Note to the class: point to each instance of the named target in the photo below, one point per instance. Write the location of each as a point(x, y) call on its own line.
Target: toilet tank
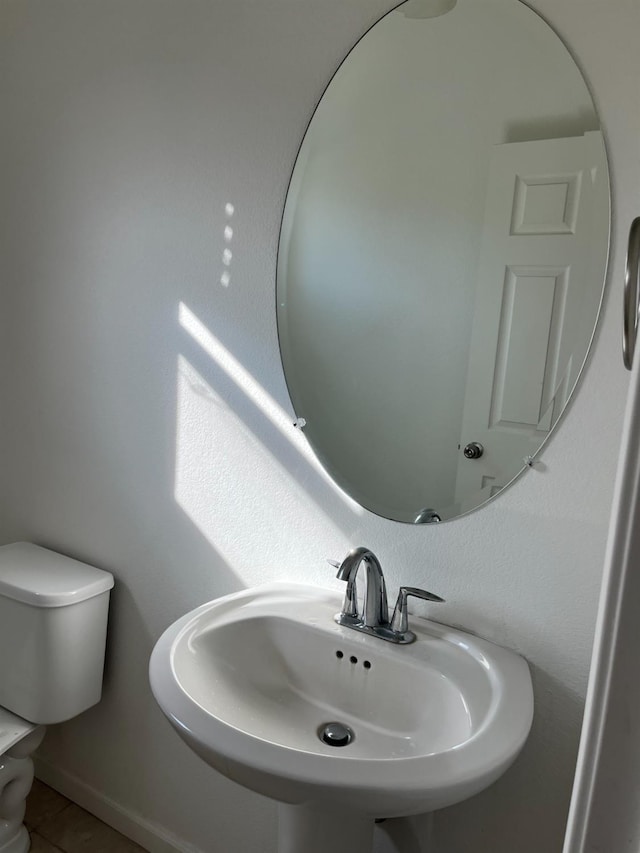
point(53, 626)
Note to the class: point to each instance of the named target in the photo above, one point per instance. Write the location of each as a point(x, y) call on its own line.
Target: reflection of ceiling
point(427, 8)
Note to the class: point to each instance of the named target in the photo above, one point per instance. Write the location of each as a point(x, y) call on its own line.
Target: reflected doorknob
point(473, 450)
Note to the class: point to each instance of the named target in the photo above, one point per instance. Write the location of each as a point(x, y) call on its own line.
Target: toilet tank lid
point(44, 578)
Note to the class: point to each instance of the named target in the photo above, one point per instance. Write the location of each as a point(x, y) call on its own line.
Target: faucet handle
point(335, 563)
point(400, 620)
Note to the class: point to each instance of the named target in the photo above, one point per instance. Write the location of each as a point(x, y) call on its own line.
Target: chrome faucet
point(373, 617)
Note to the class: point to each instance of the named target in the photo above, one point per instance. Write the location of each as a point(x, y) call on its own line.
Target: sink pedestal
point(314, 829)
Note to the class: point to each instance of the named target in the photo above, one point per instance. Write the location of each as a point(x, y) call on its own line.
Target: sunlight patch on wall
point(256, 393)
point(227, 254)
point(231, 485)
point(235, 492)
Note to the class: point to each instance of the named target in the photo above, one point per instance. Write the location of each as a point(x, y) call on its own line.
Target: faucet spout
point(375, 612)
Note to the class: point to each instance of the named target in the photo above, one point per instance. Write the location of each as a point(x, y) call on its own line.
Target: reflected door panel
point(544, 200)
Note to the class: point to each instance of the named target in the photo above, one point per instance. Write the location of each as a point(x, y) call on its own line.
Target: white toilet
point(53, 625)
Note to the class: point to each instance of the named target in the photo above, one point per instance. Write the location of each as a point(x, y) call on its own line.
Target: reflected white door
point(543, 198)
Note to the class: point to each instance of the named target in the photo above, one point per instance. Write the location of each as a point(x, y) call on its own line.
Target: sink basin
point(250, 680)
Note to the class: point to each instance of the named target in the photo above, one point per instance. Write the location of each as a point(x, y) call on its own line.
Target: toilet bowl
point(53, 623)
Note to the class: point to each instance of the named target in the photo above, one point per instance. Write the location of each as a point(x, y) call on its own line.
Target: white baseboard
point(147, 834)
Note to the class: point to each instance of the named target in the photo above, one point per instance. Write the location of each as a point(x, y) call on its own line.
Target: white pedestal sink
point(249, 681)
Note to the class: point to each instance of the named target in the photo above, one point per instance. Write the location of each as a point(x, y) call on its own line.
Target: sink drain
point(335, 734)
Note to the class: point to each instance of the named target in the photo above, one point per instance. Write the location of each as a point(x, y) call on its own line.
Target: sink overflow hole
point(335, 734)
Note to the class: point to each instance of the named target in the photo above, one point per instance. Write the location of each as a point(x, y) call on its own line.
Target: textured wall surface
point(145, 421)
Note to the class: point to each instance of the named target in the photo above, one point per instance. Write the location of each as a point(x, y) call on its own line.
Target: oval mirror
point(442, 255)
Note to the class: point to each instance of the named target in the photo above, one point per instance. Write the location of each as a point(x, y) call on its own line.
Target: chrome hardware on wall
point(427, 516)
point(631, 295)
point(473, 450)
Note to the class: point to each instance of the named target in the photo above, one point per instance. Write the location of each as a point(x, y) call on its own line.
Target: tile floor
point(59, 826)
